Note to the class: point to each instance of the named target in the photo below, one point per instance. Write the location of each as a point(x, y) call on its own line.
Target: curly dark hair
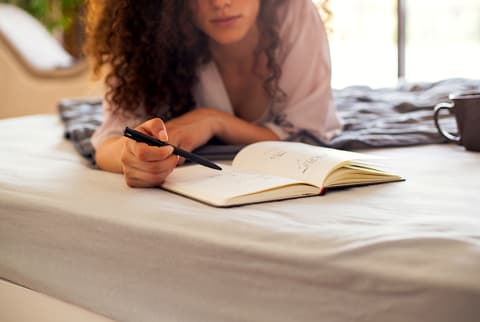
point(151, 50)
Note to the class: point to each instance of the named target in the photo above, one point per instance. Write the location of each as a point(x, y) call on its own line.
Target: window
point(442, 40)
point(363, 42)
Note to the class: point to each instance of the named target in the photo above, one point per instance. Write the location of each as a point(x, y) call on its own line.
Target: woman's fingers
point(142, 179)
point(144, 165)
point(154, 127)
point(147, 166)
point(147, 158)
point(146, 153)
point(148, 174)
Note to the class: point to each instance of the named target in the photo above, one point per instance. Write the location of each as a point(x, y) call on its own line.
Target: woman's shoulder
point(292, 12)
point(298, 21)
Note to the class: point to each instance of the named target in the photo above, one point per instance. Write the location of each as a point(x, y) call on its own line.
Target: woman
point(186, 71)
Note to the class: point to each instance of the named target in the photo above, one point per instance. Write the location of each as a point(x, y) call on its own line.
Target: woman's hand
point(198, 126)
point(144, 165)
point(193, 129)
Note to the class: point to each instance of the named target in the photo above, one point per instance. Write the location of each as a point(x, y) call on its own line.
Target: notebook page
point(294, 160)
point(217, 187)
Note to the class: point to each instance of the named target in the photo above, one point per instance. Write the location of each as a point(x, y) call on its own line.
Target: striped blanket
point(381, 117)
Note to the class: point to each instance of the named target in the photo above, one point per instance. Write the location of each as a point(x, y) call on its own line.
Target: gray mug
point(466, 107)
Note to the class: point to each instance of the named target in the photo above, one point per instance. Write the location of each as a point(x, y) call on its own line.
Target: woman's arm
point(147, 166)
point(108, 154)
point(197, 127)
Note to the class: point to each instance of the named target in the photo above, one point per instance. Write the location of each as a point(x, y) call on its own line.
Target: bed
point(407, 251)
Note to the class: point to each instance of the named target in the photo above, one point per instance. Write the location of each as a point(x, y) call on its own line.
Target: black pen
point(140, 137)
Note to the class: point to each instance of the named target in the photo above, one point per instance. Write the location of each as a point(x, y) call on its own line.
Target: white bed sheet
point(407, 251)
point(19, 304)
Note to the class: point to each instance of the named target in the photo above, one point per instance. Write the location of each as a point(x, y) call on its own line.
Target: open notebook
point(276, 170)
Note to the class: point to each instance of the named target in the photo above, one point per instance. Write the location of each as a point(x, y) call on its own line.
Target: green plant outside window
point(54, 14)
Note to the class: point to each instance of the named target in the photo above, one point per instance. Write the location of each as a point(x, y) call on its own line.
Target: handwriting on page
point(226, 182)
point(305, 165)
point(302, 164)
point(275, 154)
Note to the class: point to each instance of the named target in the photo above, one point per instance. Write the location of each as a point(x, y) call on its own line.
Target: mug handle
point(447, 135)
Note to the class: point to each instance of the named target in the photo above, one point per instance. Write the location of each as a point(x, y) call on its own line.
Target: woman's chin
point(226, 39)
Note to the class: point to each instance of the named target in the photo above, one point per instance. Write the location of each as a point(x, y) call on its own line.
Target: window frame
point(401, 37)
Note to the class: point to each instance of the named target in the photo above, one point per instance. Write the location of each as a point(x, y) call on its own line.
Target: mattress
point(407, 251)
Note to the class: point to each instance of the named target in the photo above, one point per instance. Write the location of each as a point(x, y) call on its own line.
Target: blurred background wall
point(41, 59)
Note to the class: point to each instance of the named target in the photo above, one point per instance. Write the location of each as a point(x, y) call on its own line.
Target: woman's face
point(225, 21)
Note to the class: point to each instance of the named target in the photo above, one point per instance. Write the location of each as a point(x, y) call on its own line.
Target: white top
point(306, 74)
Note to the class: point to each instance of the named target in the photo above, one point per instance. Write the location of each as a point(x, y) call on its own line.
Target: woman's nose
point(220, 4)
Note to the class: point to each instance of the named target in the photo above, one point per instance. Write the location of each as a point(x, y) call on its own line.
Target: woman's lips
point(225, 21)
